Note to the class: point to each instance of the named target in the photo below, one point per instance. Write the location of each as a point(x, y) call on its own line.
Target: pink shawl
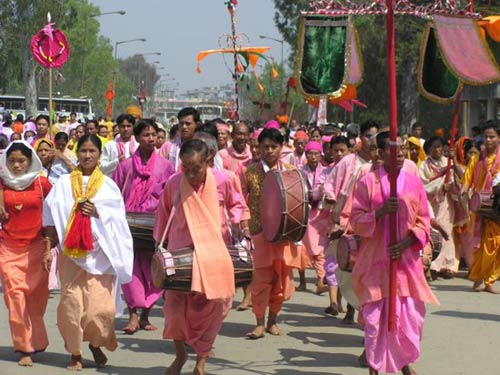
point(120, 145)
point(143, 183)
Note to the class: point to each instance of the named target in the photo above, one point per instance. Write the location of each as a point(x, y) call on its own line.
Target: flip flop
point(243, 307)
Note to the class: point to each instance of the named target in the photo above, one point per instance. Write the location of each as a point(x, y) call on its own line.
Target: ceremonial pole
point(231, 6)
point(393, 173)
point(50, 90)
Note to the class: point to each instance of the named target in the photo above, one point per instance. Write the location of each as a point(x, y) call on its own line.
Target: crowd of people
point(65, 195)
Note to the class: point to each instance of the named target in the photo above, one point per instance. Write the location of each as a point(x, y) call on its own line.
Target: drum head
point(284, 206)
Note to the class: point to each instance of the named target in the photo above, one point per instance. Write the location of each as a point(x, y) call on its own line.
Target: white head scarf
point(20, 183)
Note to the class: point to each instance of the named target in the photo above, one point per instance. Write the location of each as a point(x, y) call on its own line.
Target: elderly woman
point(55, 162)
point(85, 213)
point(24, 258)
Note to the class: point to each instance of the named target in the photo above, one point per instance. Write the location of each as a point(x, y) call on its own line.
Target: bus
point(63, 106)
point(211, 111)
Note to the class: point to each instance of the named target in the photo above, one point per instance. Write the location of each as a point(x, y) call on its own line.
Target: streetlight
point(114, 70)
point(148, 54)
point(282, 54)
point(82, 75)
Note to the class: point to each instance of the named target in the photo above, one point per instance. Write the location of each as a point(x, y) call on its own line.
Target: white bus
point(63, 105)
point(211, 111)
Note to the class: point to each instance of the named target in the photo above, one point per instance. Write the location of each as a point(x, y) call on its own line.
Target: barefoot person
point(141, 180)
point(25, 260)
point(190, 202)
point(391, 352)
point(272, 282)
point(479, 177)
point(86, 214)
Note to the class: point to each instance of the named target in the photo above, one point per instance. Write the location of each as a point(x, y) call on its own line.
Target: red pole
point(454, 129)
point(393, 124)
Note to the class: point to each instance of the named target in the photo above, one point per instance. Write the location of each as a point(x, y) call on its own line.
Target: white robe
point(113, 251)
point(109, 158)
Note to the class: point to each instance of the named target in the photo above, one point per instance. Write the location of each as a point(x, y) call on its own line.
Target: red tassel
point(80, 233)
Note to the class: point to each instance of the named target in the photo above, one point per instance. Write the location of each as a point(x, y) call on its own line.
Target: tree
point(138, 70)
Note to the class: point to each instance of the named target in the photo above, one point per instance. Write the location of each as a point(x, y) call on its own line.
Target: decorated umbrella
point(50, 49)
point(453, 54)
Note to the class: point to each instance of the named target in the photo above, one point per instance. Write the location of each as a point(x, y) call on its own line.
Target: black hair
point(367, 125)
point(491, 124)
point(42, 117)
point(273, 135)
point(72, 113)
point(143, 124)
point(417, 124)
point(189, 111)
point(241, 123)
point(194, 146)
point(90, 138)
point(18, 146)
point(92, 122)
point(20, 117)
point(4, 141)
point(329, 129)
point(102, 126)
point(173, 131)
point(315, 129)
point(431, 140)
point(209, 127)
point(340, 140)
point(129, 118)
point(80, 126)
point(476, 129)
point(161, 130)
point(469, 143)
point(382, 139)
point(61, 136)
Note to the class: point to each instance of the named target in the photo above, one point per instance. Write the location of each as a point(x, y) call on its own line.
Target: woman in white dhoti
point(86, 213)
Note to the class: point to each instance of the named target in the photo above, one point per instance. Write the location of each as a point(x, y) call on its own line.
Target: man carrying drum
point(273, 262)
point(189, 212)
point(141, 179)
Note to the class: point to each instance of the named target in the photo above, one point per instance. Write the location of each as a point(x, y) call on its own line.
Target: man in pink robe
point(239, 151)
point(391, 352)
point(191, 319)
point(141, 179)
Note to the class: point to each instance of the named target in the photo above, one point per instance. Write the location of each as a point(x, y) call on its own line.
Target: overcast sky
point(179, 29)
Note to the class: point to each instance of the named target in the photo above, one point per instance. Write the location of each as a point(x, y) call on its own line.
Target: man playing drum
point(141, 179)
point(273, 262)
point(190, 203)
point(393, 351)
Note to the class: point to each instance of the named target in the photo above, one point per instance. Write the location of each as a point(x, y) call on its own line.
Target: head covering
point(223, 127)
point(20, 183)
point(421, 153)
point(301, 136)
point(313, 146)
point(326, 139)
point(256, 133)
point(273, 124)
point(43, 140)
point(134, 111)
point(459, 149)
point(29, 126)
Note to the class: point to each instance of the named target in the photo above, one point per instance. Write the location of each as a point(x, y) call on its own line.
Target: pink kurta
point(390, 351)
point(232, 160)
point(191, 317)
point(140, 292)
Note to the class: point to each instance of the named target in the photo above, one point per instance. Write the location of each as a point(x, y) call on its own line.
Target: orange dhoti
point(26, 293)
point(272, 282)
point(86, 311)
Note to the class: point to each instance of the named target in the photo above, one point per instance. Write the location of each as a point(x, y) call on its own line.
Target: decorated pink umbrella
point(50, 49)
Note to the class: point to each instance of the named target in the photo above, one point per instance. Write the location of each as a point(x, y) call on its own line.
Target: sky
point(180, 29)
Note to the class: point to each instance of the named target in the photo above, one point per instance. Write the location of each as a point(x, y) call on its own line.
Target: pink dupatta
point(143, 184)
point(120, 145)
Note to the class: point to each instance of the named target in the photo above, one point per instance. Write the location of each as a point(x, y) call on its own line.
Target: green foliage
point(76, 18)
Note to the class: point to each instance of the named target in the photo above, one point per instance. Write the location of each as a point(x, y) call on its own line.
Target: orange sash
point(213, 272)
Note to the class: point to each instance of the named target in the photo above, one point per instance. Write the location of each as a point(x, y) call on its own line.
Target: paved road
point(462, 337)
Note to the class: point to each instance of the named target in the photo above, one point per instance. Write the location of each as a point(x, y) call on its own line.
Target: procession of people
point(206, 191)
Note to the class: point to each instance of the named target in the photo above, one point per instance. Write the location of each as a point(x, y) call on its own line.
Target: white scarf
point(20, 183)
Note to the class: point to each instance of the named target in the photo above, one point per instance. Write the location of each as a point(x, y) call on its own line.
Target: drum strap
point(169, 222)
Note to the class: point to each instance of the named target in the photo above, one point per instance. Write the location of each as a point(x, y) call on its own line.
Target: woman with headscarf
point(416, 151)
point(55, 163)
point(85, 213)
point(25, 257)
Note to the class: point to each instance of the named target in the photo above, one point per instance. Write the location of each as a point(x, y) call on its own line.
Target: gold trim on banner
point(420, 72)
point(455, 73)
point(350, 33)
